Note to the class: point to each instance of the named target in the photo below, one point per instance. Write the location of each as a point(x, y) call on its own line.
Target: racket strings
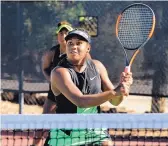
point(135, 26)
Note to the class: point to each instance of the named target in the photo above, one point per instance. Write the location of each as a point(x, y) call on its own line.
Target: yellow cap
point(68, 27)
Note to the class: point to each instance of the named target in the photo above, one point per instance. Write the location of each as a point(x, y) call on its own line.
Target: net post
point(20, 47)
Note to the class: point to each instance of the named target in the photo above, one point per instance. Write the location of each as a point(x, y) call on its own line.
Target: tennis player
point(76, 83)
point(50, 60)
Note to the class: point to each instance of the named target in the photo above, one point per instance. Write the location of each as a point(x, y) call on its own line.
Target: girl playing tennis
point(77, 83)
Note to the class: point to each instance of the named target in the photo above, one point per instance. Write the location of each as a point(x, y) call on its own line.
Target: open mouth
point(73, 52)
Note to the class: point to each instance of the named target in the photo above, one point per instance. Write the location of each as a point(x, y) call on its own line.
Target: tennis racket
point(135, 26)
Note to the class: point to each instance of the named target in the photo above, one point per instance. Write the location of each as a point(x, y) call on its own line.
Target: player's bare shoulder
point(49, 53)
point(99, 65)
point(58, 70)
point(96, 62)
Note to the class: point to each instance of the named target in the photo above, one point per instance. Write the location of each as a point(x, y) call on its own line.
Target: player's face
point(61, 36)
point(77, 49)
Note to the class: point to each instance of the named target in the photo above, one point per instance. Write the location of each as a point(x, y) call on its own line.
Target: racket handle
point(127, 69)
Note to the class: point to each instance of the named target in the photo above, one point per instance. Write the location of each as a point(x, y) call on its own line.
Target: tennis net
point(89, 129)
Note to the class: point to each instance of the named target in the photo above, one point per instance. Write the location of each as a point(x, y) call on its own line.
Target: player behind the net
point(77, 83)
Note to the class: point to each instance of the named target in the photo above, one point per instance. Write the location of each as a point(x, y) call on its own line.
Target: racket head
point(135, 26)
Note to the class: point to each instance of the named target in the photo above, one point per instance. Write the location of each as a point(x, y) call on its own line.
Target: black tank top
point(88, 82)
point(57, 56)
point(56, 59)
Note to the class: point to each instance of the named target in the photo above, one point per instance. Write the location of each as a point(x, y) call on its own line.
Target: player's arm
point(107, 84)
point(61, 82)
point(47, 59)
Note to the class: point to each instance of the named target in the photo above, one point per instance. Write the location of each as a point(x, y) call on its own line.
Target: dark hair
point(63, 23)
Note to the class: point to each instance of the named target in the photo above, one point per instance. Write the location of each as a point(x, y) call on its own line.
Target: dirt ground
point(13, 108)
point(131, 104)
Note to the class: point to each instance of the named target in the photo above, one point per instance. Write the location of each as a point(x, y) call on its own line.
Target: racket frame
point(129, 63)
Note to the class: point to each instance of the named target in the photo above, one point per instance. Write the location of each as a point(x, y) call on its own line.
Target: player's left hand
point(126, 77)
point(126, 81)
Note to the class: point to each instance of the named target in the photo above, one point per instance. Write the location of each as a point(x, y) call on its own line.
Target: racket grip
point(127, 69)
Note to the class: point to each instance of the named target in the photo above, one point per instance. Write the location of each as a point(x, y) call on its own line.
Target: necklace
point(70, 63)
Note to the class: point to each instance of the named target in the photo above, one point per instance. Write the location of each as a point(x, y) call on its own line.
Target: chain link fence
point(28, 28)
